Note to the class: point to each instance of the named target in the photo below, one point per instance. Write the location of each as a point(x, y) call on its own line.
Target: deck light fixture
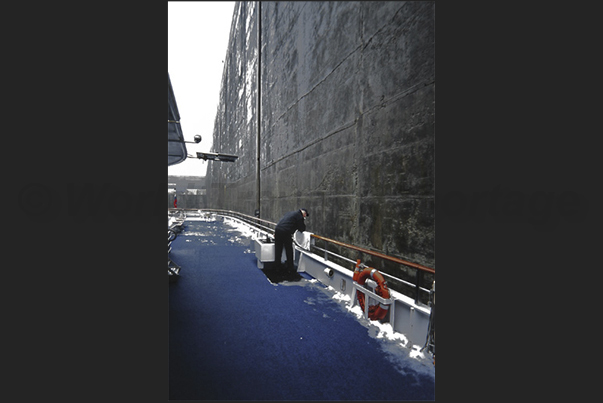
point(217, 156)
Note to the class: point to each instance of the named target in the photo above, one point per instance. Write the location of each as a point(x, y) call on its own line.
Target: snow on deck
point(234, 335)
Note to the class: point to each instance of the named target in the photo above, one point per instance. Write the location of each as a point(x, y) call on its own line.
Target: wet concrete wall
point(346, 120)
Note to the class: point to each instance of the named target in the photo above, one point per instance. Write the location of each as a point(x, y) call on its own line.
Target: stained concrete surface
point(347, 121)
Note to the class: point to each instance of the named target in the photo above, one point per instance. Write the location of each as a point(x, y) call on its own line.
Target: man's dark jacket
point(293, 220)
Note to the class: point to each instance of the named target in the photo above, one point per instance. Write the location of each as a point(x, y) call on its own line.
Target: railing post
point(419, 278)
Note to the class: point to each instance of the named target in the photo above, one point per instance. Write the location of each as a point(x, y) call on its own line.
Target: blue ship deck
point(235, 335)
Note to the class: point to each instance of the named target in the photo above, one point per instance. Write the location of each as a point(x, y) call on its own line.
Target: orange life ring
point(376, 312)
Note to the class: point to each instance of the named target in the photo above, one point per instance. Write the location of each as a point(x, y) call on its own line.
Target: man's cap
point(307, 212)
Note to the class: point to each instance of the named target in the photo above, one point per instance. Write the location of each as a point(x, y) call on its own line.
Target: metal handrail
point(420, 268)
point(345, 245)
point(250, 219)
point(256, 221)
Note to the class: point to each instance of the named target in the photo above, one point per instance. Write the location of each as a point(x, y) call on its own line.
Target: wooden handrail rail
point(377, 254)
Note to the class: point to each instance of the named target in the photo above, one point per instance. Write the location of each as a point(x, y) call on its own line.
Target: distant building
point(190, 190)
point(187, 184)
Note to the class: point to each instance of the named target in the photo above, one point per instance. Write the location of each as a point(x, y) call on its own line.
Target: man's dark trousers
point(283, 238)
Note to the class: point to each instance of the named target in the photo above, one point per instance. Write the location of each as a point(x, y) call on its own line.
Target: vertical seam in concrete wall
point(259, 105)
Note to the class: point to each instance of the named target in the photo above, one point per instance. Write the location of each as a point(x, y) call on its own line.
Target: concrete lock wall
point(347, 103)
